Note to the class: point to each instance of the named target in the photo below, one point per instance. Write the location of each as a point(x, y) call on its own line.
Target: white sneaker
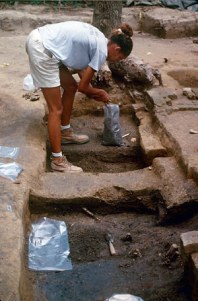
point(69, 136)
point(61, 164)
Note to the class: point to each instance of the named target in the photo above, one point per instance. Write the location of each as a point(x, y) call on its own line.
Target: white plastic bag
point(9, 152)
point(10, 170)
point(28, 84)
point(124, 297)
point(49, 246)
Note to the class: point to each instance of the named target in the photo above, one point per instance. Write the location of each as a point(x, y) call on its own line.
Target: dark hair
point(122, 36)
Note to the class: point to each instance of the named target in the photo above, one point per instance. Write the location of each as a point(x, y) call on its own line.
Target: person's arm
point(85, 86)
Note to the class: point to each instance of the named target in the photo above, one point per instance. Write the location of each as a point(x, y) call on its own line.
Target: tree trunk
point(107, 15)
point(134, 70)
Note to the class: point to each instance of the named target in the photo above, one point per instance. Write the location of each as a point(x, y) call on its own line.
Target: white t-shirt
point(75, 44)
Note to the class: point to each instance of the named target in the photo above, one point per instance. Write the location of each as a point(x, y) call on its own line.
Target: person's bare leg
point(54, 103)
point(69, 86)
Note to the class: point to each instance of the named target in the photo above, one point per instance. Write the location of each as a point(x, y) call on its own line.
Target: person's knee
point(68, 83)
point(56, 111)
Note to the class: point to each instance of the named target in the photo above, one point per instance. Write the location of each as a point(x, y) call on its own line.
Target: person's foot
point(69, 136)
point(61, 164)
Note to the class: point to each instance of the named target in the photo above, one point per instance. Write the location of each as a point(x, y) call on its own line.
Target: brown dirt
point(141, 266)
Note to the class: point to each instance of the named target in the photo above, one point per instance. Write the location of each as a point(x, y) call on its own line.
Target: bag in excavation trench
point(112, 130)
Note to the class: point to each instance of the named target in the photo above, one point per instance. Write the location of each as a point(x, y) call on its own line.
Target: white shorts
point(44, 67)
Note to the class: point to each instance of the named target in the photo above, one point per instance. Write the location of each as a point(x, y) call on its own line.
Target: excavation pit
point(98, 158)
point(123, 193)
point(140, 267)
point(186, 77)
point(23, 128)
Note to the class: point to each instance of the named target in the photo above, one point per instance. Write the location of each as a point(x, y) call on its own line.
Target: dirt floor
point(142, 265)
point(98, 158)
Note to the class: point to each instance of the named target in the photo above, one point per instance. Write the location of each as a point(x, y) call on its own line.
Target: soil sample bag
point(49, 246)
point(112, 131)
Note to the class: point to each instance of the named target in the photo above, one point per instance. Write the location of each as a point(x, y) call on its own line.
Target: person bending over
point(53, 50)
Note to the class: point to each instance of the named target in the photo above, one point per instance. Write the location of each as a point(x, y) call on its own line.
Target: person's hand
point(102, 95)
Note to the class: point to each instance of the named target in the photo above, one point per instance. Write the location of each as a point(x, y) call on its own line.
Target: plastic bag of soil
point(112, 130)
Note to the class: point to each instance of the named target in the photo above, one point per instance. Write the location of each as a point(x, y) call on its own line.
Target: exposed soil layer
point(141, 266)
point(96, 157)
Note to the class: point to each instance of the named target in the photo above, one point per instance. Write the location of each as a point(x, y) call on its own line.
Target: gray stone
point(149, 141)
point(192, 275)
point(159, 97)
point(195, 91)
point(168, 23)
point(175, 189)
point(189, 243)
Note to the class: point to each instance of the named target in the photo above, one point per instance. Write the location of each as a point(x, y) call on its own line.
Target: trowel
point(109, 239)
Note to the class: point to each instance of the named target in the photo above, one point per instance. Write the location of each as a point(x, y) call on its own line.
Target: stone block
point(193, 276)
point(138, 107)
point(149, 141)
point(195, 91)
point(178, 193)
point(167, 23)
point(159, 97)
point(189, 244)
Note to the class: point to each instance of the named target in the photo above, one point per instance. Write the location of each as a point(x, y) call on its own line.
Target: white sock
point(56, 155)
point(65, 127)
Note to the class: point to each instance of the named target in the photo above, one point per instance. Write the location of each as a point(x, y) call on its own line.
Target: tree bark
point(134, 70)
point(107, 15)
